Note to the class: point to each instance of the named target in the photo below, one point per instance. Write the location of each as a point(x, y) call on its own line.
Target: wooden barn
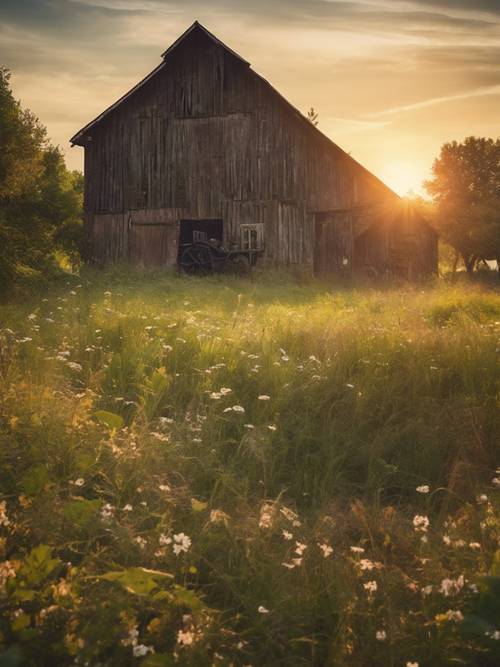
point(205, 148)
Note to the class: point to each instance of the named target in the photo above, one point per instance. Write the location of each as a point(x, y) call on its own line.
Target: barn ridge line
point(76, 139)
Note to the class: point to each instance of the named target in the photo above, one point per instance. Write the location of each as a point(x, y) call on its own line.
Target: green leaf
point(109, 419)
point(198, 505)
point(81, 512)
point(34, 479)
point(20, 622)
point(158, 660)
point(38, 564)
point(137, 580)
point(188, 598)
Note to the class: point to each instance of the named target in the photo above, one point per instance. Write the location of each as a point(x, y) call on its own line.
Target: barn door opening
point(200, 231)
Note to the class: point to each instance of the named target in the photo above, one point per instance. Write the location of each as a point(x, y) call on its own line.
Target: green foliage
point(40, 200)
point(241, 473)
point(466, 189)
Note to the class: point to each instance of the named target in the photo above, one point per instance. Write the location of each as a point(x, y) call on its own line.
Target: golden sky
point(392, 80)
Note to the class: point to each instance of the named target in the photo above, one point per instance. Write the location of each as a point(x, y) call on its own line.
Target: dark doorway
point(199, 231)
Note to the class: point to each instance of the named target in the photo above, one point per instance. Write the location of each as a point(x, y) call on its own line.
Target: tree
point(466, 190)
point(39, 198)
point(312, 116)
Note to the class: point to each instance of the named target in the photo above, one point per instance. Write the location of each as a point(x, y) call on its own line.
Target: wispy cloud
point(478, 92)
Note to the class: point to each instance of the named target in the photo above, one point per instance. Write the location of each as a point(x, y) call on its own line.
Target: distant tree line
point(40, 199)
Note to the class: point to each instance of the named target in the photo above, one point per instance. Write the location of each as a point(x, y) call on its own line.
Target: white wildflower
point(224, 391)
point(474, 545)
point(263, 397)
point(366, 565)
point(450, 587)
point(266, 515)
point(4, 519)
point(141, 649)
point(238, 408)
point(287, 535)
point(371, 587)
point(185, 637)
point(381, 635)
point(128, 508)
point(262, 610)
point(141, 541)
point(182, 543)
point(326, 549)
point(300, 548)
point(357, 550)
point(420, 523)
point(455, 616)
point(423, 489)
point(164, 539)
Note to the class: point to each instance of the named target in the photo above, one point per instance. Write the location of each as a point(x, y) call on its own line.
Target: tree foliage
point(40, 200)
point(466, 190)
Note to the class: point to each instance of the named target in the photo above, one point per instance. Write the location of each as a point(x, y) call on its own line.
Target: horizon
point(391, 81)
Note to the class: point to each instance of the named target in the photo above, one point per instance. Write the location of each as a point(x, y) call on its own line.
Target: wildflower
point(366, 565)
point(32, 317)
point(348, 384)
point(493, 635)
point(128, 507)
point(422, 489)
point(371, 587)
point(78, 482)
point(4, 519)
point(420, 523)
point(496, 481)
point(412, 664)
point(74, 366)
point(7, 571)
point(455, 616)
point(357, 550)
point(263, 397)
point(182, 543)
point(142, 649)
point(483, 498)
point(272, 427)
point(300, 548)
point(326, 549)
point(238, 408)
point(164, 487)
point(185, 637)
point(474, 545)
point(141, 541)
point(216, 396)
point(224, 391)
point(447, 540)
point(427, 590)
point(266, 516)
point(262, 610)
point(218, 516)
point(381, 635)
point(107, 511)
point(450, 587)
point(164, 539)
point(287, 535)
point(249, 426)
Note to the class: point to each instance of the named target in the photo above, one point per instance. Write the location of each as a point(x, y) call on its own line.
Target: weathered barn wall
point(206, 137)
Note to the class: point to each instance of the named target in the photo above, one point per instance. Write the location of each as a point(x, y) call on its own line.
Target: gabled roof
point(196, 26)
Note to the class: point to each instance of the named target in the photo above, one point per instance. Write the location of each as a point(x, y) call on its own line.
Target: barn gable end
point(204, 138)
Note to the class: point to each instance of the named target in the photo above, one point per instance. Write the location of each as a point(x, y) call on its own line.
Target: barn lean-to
point(205, 147)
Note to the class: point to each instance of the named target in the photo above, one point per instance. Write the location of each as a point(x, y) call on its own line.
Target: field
point(224, 472)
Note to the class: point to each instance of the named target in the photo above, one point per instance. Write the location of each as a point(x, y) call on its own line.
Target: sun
point(403, 177)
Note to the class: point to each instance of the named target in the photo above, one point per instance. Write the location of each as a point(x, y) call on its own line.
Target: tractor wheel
point(196, 259)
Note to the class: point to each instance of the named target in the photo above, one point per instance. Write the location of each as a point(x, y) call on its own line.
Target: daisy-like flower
point(141, 649)
point(450, 587)
point(262, 610)
point(366, 564)
point(164, 539)
point(272, 427)
point(287, 535)
point(224, 391)
point(423, 489)
point(185, 637)
point(4, 519)
point(326, 549)
point(420, 523)
point(371, 587)
point(263, 397)
point(128, 508)
point(381, 635)
point(300, 548)
point(357, 550)
point(455, 616)
point(238, 408)
point(182, 542)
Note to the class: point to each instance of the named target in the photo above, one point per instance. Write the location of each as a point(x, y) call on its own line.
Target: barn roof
point(78, 138)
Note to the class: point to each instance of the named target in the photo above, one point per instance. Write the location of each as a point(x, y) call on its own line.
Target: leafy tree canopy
point(40, 200)
point(466, 190)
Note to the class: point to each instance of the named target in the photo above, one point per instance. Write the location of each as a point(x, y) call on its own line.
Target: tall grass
point(215, 471)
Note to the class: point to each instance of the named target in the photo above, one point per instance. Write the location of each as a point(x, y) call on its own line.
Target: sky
point(391, 80)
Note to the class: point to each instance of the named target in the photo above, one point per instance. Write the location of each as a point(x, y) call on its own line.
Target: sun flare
point(403, 177)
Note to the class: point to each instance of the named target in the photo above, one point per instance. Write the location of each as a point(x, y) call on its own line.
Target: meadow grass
point(224, 472)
